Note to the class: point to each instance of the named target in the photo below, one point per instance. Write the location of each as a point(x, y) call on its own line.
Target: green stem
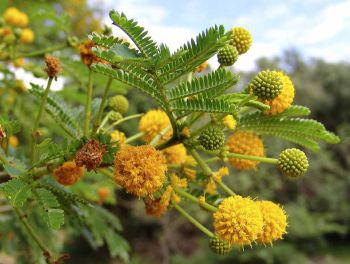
point(88, 104)
point(135, 137)
point(225, 188)
point(193, 221)
point(254, 158)
point(205, 168)
point(42, 52)
point(194, 199)
point(155, 140)
point(102, 105)
point(35, 237)
point(123, 120)
point(38, 117)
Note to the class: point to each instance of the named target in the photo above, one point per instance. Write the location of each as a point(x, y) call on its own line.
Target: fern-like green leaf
point(193, 53)
point(138, 35)
point(305, 132)
point(51, 212)
point(208, 86)
point(203, 105)
point(16, 191)
point(111, 41)
point(58, 110)
point(134, 77)
point(296, 110)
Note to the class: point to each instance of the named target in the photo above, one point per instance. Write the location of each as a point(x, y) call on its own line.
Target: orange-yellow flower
point(247, 143)
point(140, 170)
point(68, 173)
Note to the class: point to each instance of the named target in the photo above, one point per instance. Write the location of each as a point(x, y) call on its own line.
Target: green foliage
point(50, 211)
point(305, 132)
point(208, 86)
point(58, 111)
point(17, 192)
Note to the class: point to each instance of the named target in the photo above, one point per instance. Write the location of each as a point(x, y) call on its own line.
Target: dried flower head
point(90, 155)
point(68, 173)
point(86, 54)
point(53, 66)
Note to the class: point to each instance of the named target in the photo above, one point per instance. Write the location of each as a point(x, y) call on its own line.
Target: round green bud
point(73, 41)
point(219, 246)
point(17, 32)
point(115, 116)
point(10, 39)
point(293, 163)
point(119, 103)
point(267, 85)
point(212, 138)
point(228, 55)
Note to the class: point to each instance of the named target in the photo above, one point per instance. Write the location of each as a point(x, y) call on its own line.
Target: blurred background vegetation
point(318, 205)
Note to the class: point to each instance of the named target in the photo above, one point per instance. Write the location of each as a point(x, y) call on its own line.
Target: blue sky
point(317, 28)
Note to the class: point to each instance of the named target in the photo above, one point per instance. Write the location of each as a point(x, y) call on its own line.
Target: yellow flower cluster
point(153, 123)
point(247, 143)
point(14, 17)
point(140, 170)
point(175, 154)
point(118, 136)
point(241, 221)
point(230, 122)
point(216, 177)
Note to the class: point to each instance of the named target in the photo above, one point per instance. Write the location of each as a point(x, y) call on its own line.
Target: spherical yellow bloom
point(177, 182)
point(247, 143)
point(153, 123)
point(175, 154)
point(27, 36)
point(68, 173)
point(241, 39)
point(15, 17)
point(13, 141)
point(230, 122)
point(284, 100)
point(238, 220)
point(118, 136)
point(140, 170)
point(275, 222)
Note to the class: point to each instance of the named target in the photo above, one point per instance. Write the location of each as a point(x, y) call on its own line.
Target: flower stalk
point(88, 104)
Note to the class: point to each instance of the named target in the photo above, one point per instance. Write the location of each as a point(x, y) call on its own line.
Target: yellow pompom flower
point(15, 17)
point(238, 220)
point(230, 122)
point(153, 123)
point(247, 143)
point(140, 170)
point(27, 36)
point(177, 182)
point(275, 222)
point(13, 141)
point(284, 100)
point(241, 39)
point(118, 136)
point(175, 154)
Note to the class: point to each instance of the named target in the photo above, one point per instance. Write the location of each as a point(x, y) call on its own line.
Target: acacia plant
point(201, 122)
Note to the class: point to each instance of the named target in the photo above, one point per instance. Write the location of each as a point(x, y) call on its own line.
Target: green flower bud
point(293, 163)
point(219, 246)
point(212, 138)
point(267, 85)
point(119, 103)
point(228, 55)
point(115, 116)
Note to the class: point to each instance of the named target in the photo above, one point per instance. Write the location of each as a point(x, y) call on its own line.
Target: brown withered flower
point(86, 54)
point(53, 66)
point(90, 155)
